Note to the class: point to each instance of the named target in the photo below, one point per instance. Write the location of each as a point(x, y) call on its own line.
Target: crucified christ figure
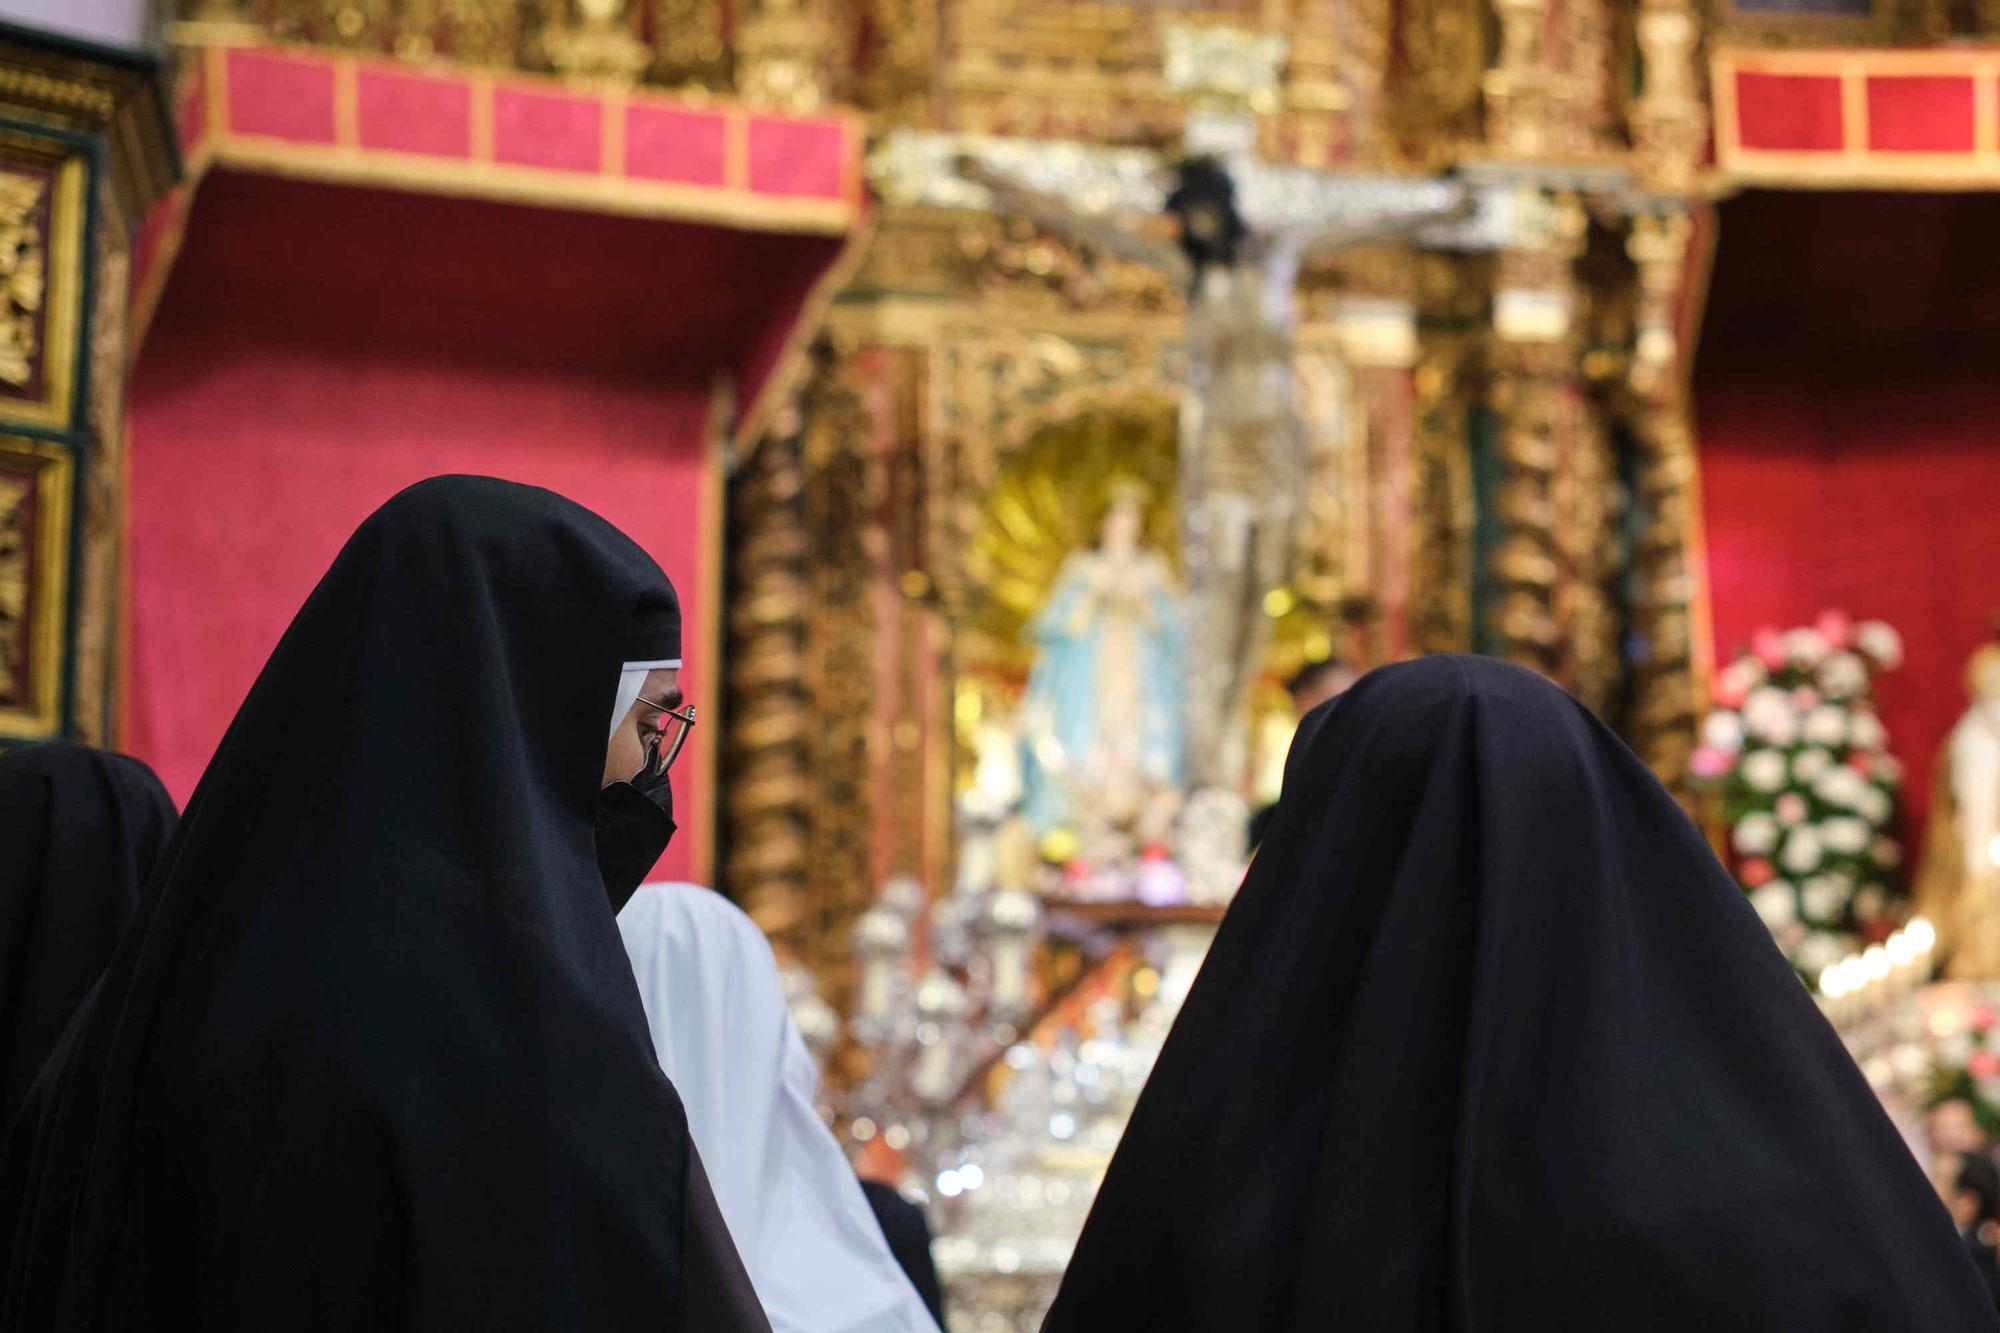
point(1245, 460)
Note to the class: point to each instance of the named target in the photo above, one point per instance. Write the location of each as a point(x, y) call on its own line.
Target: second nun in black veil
point(371, 1055)
point(1488, 1042)
point(80, 829)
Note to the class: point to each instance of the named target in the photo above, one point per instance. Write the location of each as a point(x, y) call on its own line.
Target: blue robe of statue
point(1080, 717)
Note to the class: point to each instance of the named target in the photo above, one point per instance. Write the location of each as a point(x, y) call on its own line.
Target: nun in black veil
point(371, 1054)
point(1490, 1042)
point(80, 828)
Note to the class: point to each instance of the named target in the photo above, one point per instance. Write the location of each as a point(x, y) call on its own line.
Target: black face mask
point(635, 822)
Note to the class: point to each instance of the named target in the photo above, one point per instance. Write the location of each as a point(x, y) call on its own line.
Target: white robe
point(795, 1209)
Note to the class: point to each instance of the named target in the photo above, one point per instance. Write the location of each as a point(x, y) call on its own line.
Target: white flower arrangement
point(1799, 757)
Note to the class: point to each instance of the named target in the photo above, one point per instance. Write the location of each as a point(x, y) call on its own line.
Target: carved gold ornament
point(35, 485)
point(23, 275)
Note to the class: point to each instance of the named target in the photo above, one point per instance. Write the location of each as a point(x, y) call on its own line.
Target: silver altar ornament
point(1009, 926)
point(952, 921)
point(819, 1024)
point(881, 938)
point(1214, 846)
point(941, 1010)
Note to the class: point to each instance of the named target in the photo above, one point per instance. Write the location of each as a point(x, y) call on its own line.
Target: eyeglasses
point(675, 724)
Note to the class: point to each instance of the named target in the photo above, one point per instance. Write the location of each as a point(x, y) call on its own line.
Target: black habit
point(909, 1237)
point(80, 829)
point(371, 1055)
point(1488, 1042)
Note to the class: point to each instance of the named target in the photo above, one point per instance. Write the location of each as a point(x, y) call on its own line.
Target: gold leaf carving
point(15, 490)
point(23, 275)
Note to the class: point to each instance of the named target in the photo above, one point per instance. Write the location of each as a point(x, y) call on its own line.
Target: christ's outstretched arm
point(1052, 213)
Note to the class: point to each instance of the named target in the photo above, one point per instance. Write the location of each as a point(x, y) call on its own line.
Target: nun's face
point(641, 725)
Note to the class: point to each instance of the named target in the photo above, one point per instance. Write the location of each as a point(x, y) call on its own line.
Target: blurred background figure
point(1952, 1126)
point(1312, 685)
point(1969, 1184)
point(80, 830)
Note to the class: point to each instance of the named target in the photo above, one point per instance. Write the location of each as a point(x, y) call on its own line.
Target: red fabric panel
point(1849, 427)
point(1788, 112)
point(158, 225)
point(1920, 115)
point(414, 113)
point(277, 401)
point(798, 157)
point(548, 130)
point(667, 144)
point(280, 98)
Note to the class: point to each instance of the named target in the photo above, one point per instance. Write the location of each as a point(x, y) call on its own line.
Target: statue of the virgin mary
point(1103, 714)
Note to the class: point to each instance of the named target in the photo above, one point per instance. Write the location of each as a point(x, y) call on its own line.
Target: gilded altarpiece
point(84, 150)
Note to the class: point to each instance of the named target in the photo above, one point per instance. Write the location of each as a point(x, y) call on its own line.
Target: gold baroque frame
point(62, 302)
point(44, 571)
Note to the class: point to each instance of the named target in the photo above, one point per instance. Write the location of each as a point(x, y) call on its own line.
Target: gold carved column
point(1534, 397)
point(1443, 497)
point(812, 515)
point(87, 151)
point(1669, 124)
point(1664, 706)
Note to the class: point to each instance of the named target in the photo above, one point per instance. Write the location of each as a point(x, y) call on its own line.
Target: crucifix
point(1232, 231)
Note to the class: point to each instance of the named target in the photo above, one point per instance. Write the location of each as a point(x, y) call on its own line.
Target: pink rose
point(1709, 762)
point(1983, 1064)
point(1836, 626)
point(1769, 645)
point(1791, 808)
point(1805, 698)
point(1982, 1018)
point(1756, 872)
point(1729, 689)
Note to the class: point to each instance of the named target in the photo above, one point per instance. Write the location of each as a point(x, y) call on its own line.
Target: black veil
point(1489, 1042)
point(371, 1054)
point(80, 828)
